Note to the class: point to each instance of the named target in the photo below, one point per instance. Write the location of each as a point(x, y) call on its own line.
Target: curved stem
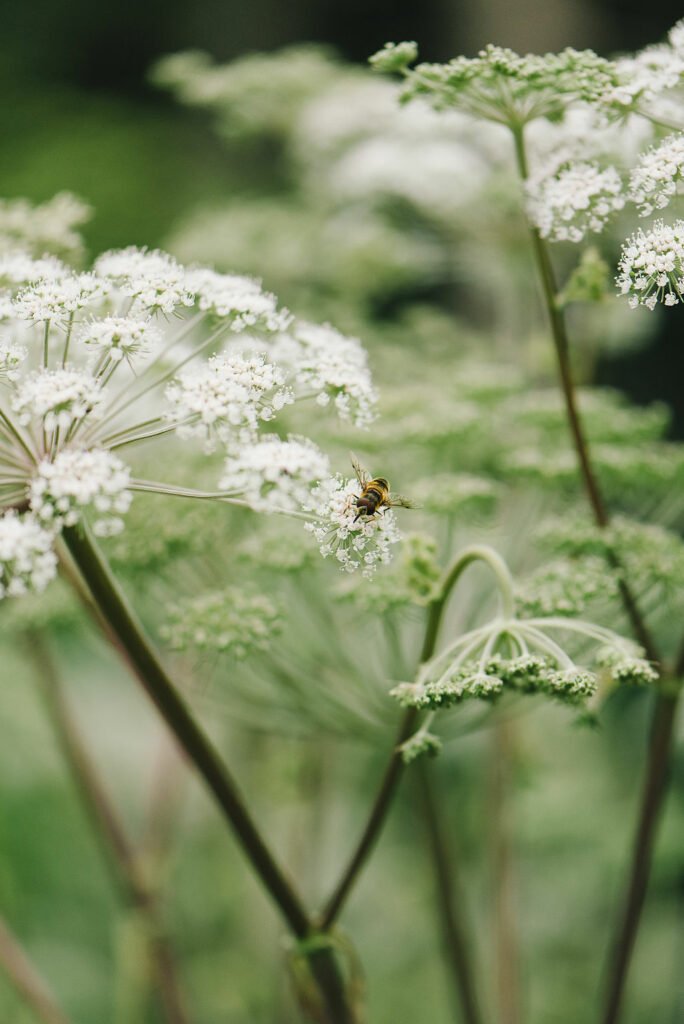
point(27, 981)
point(473, 553)
point(395, 765)
point(129, 634)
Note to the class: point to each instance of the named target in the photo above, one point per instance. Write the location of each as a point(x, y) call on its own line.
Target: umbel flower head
point(523, 655)
point(574, 199)
point(501, 85)
point(658, 175)
point(94, 364)
point(651, 267)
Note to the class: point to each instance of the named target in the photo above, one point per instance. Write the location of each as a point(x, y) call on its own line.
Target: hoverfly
point(375, 493)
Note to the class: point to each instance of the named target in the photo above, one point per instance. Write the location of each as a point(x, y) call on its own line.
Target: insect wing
point(361, 475)
point(399, 501)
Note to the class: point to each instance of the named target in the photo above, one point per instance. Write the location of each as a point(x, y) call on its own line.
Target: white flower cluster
point(46, 227)
point(355, 541)
point(152, 279)
point(58, 398)
point(18, 267)
point(12, 355)
point(331, 366)
point(574, 199)
point(68, 336)
point(658, 174)
point(59, 297)
point(76, 480)
point(239, 298)
point(228, 397)
point(651, 267)
point(120, 337)
point(645, 78)
point(27, 561)
point(276, 474)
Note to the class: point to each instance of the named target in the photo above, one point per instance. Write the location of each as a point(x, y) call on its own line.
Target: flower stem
point(395, 765)
point(27, 981)
point(127, 630)
point(376, 820)
point(118, 849)
point(653, 795)
point(449, 905)
point(662, 728)
point(560, 340)
point(505, 932)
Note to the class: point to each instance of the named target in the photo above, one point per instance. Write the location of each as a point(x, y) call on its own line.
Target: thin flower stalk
point(26, 980)
point(665, 708)
point(123, 624)
point(117, 846)
point(449, 902)
point(395, 765)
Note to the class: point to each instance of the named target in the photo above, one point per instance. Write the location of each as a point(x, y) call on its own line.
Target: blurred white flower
point(655, 179)
point(27, 561)
point(275, 474)
point(574, 199)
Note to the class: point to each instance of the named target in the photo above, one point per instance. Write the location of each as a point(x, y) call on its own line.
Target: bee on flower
point(95, 364)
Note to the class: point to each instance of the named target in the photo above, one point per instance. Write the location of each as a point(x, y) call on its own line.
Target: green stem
point(662, 729)
point(652, 799)
point(449, 903)
point(561, 344)
point(27, 981)
point(129, 634)
point(119, 851)
point(395, 765)
point(506, 944)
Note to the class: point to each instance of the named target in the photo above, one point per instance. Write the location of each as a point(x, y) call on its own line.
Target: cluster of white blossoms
point(139, 348)
point(119, 337)
point(645, 79)
point(331, 367)
point(75, 480)
point(27, 561)
point(239, 298)
point(656, 178)
point(574, 199)
point(272, 473)
point(356, 541)
point(651, 267)
point(227, 397)
point(51, 226)
point(58, 398)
